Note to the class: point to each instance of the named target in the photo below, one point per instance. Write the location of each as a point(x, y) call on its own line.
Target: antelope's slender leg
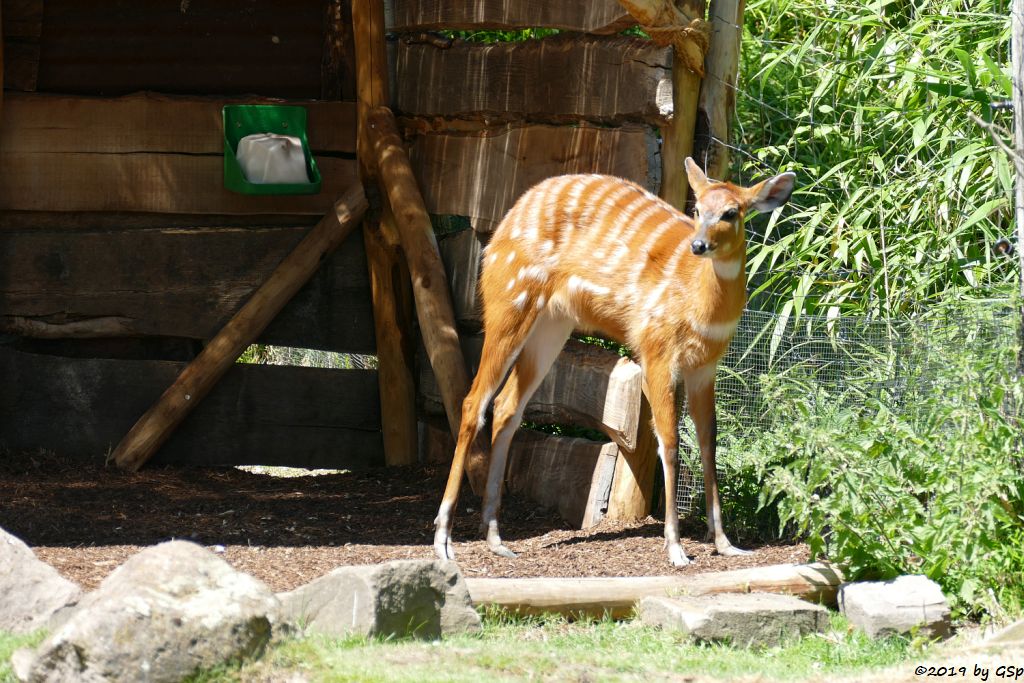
point(501, 346)
point(545, 342)
point(700, 396)
point(662, 395)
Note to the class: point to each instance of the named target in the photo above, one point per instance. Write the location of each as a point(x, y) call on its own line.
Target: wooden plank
point(148, 122)
point(632, 494)
point(586, 16)
point(176, 282)
point(480, 175)
point(19, 37)
point(572, 476)
point(338, 66)
point(217, 357)
point(259, 415)
point(617, 596)
point(587, 386)
point(116, 47)
point(562, 78)
point(147, 182)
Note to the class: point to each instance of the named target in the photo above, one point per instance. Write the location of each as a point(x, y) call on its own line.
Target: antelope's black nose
point(699, 247)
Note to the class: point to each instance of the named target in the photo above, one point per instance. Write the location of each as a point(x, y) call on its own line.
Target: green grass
point(551, 648)
point(8, 644)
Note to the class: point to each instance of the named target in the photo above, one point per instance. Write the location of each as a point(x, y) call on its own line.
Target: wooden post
point(196, 380)
point(429, 283)
point(391, 290)
point(718, 88)
point(632, 494)
point(1017, 55)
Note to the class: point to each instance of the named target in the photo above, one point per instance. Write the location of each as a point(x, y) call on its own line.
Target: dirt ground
point(85, 520)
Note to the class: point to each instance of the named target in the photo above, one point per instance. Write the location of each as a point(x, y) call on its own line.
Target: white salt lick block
point(271, 158)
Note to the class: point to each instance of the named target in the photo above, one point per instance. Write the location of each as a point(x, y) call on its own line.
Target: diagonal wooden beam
point(199, 376)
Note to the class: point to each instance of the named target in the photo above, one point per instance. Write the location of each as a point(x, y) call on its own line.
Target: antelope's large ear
point(698, 181)
point(772, 193)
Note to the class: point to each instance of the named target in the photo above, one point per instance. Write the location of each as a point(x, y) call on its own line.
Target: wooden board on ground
point(587, 385)
point(258, 415)
point(147, 154)
point(586, 16)
point(177, 282)
point(480, 175)
point(563, 78)
point(616, 597)
point(572, 476)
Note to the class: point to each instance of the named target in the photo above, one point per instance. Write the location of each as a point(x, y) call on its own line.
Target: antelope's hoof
point(732, 551)
point(677, 557)
point(502, 551)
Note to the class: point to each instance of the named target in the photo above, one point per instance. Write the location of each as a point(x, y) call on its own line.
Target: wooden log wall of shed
point(258, 415)
point(199, 377)
point(119, 240)
point(585, 16)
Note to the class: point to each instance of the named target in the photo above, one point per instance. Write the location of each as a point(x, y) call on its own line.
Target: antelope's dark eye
point(729, 214)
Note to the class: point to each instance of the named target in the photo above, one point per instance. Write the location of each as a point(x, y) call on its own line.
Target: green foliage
point(930, 484)
point(901, 194)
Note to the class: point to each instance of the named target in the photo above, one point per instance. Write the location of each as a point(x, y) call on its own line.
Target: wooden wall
point(486, 122)
point(121, 251)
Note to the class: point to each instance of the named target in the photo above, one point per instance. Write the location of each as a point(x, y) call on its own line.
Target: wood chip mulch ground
point(86, 519)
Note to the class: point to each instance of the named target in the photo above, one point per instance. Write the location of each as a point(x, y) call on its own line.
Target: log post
point(429, 283)
point(392, 314)
point(632, 494)
point(718, 88)
point(199, 376)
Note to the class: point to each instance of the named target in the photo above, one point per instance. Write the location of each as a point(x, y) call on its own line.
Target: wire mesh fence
point(835, 362)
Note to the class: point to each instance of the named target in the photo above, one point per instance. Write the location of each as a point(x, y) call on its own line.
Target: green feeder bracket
point(248, 119)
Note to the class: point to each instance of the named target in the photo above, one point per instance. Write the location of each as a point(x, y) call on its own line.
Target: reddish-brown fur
point(592, 252)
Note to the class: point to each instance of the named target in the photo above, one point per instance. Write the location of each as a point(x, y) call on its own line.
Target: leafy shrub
point(902, 194)
point(933, 486)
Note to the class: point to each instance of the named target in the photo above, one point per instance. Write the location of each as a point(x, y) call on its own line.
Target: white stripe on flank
point(492, 258)
point(578, 285)
point(534, 272)
point(520, 301)
point(572, 201)
point(511, 257)
point(667, 276)
point(540, 302)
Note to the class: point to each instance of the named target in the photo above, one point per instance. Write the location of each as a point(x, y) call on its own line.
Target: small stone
point(742, 619)
point(420, 598)
point(902, 605)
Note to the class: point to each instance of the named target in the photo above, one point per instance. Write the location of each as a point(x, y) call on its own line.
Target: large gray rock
point(1008, 635)
point(743, 619)
point(165, 613)
point(902, 605)
point(421, 598)
point(31, 591)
